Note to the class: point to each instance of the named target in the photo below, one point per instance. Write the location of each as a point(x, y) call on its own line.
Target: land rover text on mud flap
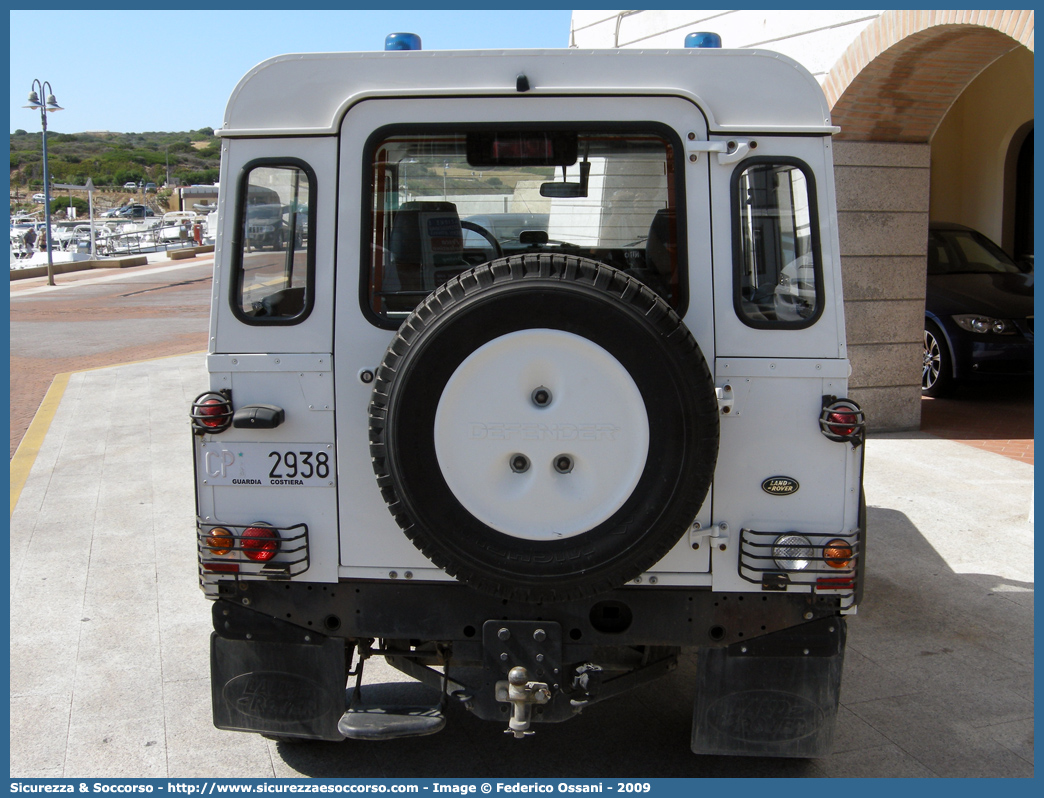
point(538, 387)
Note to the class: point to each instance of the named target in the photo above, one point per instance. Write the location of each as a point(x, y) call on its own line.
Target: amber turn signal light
point(219, 541)
point(838, 554)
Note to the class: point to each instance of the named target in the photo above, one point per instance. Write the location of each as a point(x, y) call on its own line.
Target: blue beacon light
point(402, 41)
point(703, 39)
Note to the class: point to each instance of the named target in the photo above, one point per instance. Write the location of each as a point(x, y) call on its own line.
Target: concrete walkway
point(109, 632)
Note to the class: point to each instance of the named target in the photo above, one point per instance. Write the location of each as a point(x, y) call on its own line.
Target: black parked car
point(978, 311)
point(134, 212)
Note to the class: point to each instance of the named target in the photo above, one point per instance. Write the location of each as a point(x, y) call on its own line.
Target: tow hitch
point(523, 694)
point(530, 654)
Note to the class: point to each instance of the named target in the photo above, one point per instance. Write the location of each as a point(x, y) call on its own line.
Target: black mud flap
point(772, 696)
point(280, 685)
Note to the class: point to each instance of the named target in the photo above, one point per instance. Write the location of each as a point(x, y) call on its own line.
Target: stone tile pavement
point(994, 417)
point(102, 317)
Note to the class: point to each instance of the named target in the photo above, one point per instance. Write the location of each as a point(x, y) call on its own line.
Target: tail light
point(829, 563)
point(211, 412)
point(838, 553)
point(845, 583)
point(248, 551)
point(219, 541)
point(222, 567)
point(842, 420)
point(260, 543)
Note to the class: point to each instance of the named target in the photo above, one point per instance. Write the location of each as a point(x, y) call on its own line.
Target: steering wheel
point(482, 231)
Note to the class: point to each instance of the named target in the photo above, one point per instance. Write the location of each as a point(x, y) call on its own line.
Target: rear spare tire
point(544, 428)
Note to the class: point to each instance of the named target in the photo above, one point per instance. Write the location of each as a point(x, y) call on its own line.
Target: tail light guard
point(229, 552)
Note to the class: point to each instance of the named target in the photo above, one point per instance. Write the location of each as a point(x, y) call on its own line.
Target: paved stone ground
point(993, 417)
point(101, 317)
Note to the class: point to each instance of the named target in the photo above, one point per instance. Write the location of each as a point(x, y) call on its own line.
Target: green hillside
point(112, 159)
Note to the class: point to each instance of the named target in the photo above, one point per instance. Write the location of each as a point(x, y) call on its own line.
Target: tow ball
point(519, 691)
point(525, 657)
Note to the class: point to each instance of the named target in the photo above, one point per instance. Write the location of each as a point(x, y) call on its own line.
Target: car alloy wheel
point(936, 373)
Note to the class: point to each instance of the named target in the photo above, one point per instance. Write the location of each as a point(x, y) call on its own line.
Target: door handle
point(258, 417)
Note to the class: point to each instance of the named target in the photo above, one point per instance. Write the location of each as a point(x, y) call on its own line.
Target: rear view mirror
point(564, 189)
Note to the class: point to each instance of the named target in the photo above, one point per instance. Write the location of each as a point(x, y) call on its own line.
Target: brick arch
point(897, 80)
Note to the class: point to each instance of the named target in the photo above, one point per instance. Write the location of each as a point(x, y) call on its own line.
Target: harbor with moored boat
point(135, 227)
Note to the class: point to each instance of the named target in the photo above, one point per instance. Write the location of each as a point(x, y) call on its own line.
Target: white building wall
point(815, 39)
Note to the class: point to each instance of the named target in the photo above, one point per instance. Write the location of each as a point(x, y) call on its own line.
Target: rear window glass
point(777, 270)
point(443, 201)
point(273, 249)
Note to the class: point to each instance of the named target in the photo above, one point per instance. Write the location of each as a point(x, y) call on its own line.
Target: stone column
point(882, 207)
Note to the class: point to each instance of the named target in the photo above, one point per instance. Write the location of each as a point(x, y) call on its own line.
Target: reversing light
point(219, 541)
point(211, 412)
point(260, 542)
point(792, 552)
point(703, 39)
point(402, 41)
point(842, 420)
point(838, 553)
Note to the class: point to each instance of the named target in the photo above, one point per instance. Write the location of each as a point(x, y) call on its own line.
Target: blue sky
point(135, 71)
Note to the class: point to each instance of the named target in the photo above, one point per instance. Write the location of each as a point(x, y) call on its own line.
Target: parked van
point(532, 470)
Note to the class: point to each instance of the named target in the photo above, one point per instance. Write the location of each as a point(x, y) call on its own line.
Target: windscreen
point(442, 202)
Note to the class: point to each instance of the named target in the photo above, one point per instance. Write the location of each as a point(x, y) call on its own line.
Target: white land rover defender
point(533, 382)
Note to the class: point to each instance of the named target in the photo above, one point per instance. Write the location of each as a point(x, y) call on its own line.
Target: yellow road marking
point(25, 455)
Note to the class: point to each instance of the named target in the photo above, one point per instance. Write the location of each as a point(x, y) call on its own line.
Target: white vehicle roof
point(738, 90)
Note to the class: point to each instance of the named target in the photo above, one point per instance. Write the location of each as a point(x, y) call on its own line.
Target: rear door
point(781, 358)
point(644, 208)
point(271, 328)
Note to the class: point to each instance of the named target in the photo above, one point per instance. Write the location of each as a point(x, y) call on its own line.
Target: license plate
point(284, 465)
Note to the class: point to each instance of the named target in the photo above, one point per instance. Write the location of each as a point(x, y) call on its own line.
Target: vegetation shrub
point(59, 204)
point(112, 159)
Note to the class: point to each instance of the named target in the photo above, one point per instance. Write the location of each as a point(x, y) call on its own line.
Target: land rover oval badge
point(780, 486)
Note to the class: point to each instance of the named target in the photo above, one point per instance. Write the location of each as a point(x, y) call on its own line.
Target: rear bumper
point(455, 613)
point(279, 653)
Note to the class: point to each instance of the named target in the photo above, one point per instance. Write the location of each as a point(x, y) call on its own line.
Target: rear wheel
point(544, 428)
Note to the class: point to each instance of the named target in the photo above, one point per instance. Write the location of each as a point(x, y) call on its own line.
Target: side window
point(273, 259)
point(778, 280)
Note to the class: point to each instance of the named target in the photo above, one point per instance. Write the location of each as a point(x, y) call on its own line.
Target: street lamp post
point(46, 106)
